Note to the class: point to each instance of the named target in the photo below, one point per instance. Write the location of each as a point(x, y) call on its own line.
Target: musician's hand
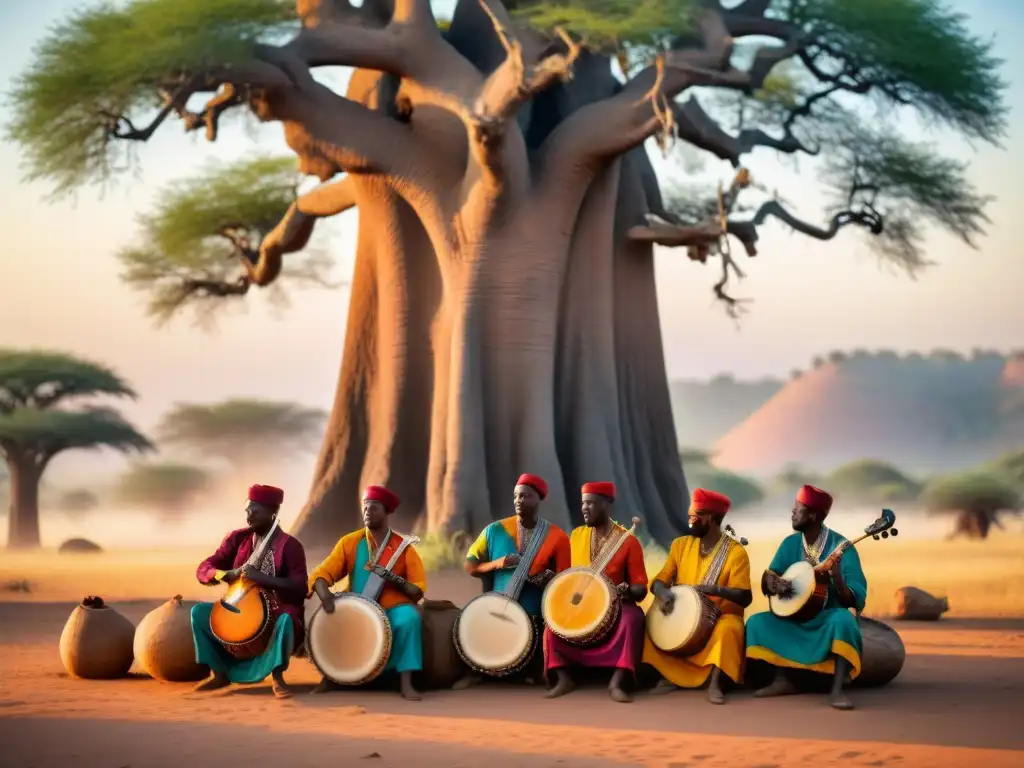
point(380, 570)
point(666, 601)
point(707, 589)
point(252, 573)
point(542, 578)
point(509, 561)
point(623, 591)
point(327, 601)
point(778, 586)
point(230, 577)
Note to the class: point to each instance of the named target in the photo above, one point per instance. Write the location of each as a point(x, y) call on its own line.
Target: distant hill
point(705, 411)
point(922, 414)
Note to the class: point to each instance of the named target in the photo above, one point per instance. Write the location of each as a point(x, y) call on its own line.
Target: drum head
point(671, 631)
point(494, 632)
point(801, 575)
point(347, 646)
point(577, 619)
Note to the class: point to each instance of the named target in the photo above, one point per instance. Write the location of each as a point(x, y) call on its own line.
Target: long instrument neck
point(598, 565)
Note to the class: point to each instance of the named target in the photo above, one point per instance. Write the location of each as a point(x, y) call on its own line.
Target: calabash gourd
point(96, 643)
point(164, 647)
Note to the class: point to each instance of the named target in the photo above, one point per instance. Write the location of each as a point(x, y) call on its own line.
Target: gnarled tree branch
point(864, 216)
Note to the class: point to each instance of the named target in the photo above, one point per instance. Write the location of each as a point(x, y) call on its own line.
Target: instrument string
point(597, 566)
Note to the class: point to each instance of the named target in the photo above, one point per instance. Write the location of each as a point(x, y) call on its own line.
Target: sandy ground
point(957, 702)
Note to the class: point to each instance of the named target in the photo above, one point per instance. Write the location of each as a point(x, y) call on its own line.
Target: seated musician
point(496, 552)
point(281, 571)
point(621, 649)
point(717, 567)
point(404, 584)
point(830, 643)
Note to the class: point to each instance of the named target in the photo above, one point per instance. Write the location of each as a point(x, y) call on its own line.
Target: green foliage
point(190, 238)
point(871, 481)
point(980, 492)
point(243, 430)
point(741, 490)
point(111, 60)
point(1010, 466)
point(440, 552)
point(635, 27)
point(168, 488)
point(695, 457)
point(34, 383)
point(916, 52)
point(792, 477)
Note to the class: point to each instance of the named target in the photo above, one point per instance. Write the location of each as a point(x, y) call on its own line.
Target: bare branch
point(295, 228)
point(695, 236)
point(865, 216)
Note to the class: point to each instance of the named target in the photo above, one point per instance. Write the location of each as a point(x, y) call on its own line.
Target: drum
point(581, 606)
point(882, 654)
point(687, 629)
point(808, 597)
point(352, 645)
point(442, 665)
point(494, 635)
point(243, 621)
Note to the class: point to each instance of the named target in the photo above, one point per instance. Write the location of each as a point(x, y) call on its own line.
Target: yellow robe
point(725, 648)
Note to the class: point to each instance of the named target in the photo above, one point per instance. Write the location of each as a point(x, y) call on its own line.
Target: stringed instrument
point(581, 605)
point(809, 583)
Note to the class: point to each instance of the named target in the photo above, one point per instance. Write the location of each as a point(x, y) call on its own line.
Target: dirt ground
point(957, 702)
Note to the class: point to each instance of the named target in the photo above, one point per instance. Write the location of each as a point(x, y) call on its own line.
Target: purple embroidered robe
point(289, 563)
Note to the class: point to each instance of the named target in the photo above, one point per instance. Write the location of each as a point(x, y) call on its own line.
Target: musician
point(717, 567)
point(497, 550)
point(621, 649)
point(281, 571)
point(830, 643)
point(404, 585)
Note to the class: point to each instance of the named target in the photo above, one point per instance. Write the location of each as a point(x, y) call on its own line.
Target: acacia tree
point(205, 227)
point(167, 488)
point(36, 425)
point(246, 433)
point(503, 314)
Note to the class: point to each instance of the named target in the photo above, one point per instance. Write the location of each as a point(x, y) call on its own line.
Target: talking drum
point(581, 606)
point(350, 646)
point(688, 627)
point(494, 635)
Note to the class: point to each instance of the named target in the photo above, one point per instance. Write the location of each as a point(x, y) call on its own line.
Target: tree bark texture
point(497, 324)
point(23, 512)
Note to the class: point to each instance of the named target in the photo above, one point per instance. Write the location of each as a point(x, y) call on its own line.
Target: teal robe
point(210, 652)
point(812, 644)
point(406, 624)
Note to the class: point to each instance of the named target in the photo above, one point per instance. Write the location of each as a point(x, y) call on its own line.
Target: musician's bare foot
point(780, 686)
point(662, 687)
point(405, 687)
point(324, 686)
point(563, 685)
point(467, 681)
point(715, 694)
point(615, 689)
point(280, 688)
point(214, 682)
point(839, 700)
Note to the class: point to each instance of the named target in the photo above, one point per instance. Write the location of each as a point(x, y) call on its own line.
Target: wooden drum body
point(882, 654)
point(352, 645)
point(245, 634)
point(810, 592)
point(687, 629)
point(494, 635)
point(581, 606)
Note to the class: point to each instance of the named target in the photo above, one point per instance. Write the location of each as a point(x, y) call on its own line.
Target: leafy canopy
point(197, 232)
point(971, 492)
point(166, 487)
point(741, 491)
point(240, 429)
point(870, 480)
point(32, 386)
point(110, 60)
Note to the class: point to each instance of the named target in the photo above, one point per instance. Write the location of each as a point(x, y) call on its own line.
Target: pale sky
point(59, 285)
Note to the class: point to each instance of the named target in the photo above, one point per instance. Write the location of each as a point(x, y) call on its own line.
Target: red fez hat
point(600, 489)
point(266, 494)
point(383, 495)
point(535, 482)
point(815, 498)
point(711, 502)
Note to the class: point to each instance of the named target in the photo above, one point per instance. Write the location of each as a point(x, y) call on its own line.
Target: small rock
point(18, 585)
point(78, 547)
point(913, 604)
point(372, 754)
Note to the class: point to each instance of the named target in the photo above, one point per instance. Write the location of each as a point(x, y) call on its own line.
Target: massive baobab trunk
point(542, 356)
point(23, 512)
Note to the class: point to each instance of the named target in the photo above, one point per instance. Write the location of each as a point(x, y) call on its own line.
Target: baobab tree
point(503, 315)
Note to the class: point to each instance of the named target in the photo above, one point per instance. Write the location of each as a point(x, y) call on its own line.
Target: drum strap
point(518, 580)
point(374, 583)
